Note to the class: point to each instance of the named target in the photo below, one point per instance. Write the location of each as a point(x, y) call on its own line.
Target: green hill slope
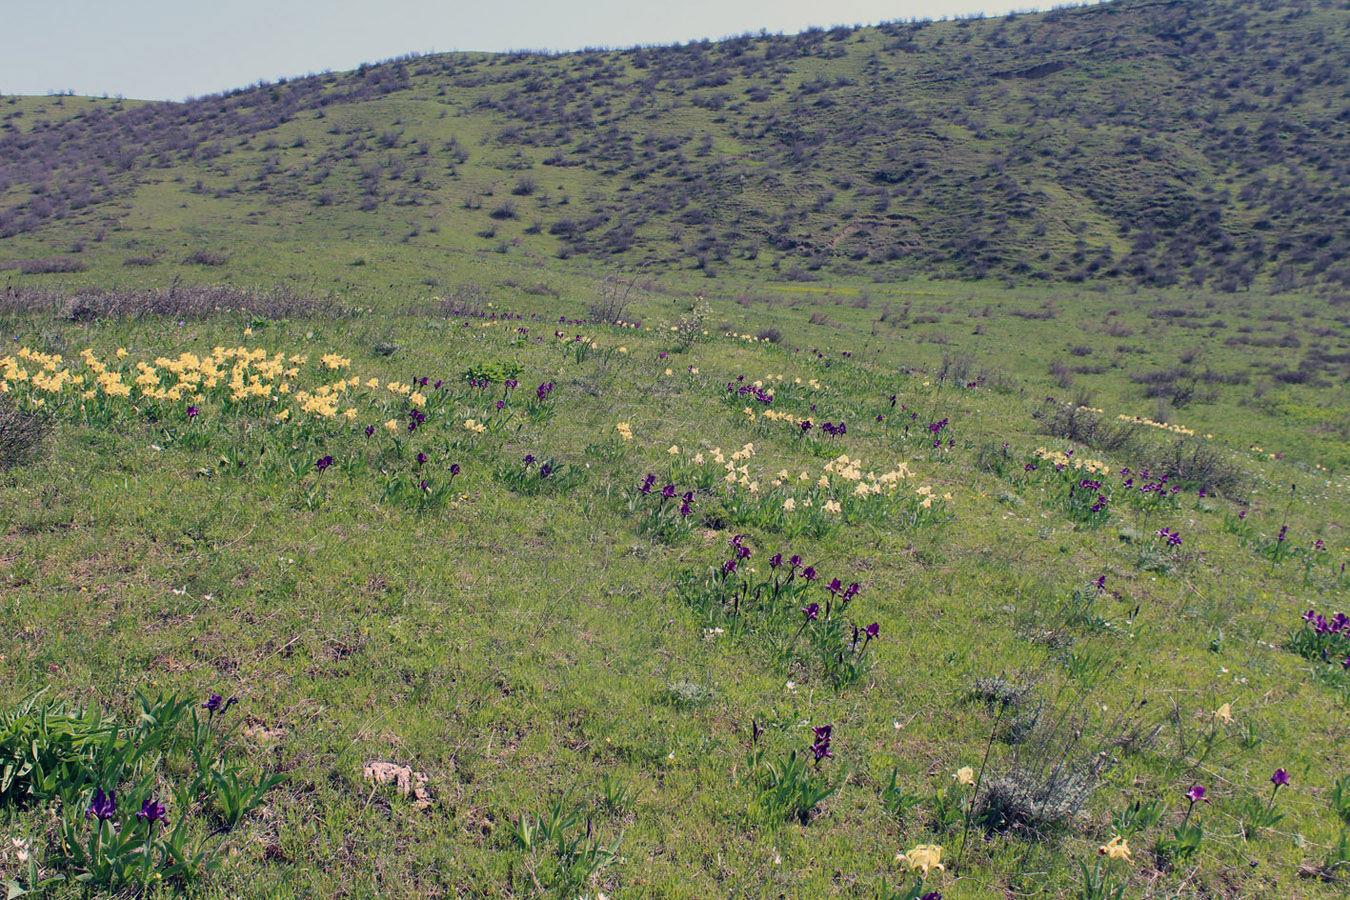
point(1155, 142)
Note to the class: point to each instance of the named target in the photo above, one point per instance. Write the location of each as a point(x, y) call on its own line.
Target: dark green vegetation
point(1158, 143)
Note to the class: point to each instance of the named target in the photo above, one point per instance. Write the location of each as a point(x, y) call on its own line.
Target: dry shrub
point(47, 265)
point(178, 302)
point(21, 436)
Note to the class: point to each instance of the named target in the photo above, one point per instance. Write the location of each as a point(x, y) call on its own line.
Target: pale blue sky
point(170, 49)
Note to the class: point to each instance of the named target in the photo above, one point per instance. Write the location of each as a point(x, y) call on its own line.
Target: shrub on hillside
point(21, 436)
point(206, 258)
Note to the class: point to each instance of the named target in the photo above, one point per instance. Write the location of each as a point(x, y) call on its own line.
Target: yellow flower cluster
point(240, 373)
point(1116, 848)
point(1090, 466)
point(1141, 420)
point(625, 431)
point(474, 427)
point(923, 858)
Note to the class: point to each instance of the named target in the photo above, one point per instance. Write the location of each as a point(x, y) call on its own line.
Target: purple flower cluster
point(415, 418)
point(821, 748)
point(1173, 538)
point(104, 806)
point(829, 429)
point(1158, 486)
point(669, 492)
point(543, 391)
point(1339, 623)
point(757, 393)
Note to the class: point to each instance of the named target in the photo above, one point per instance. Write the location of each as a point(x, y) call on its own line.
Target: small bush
point(771, 334)
point(1087, 427)
point(615, 295)
point(1194, 463)
point(21, 436)
point(1034, 802)
point(139, 261)
point(51, 265)
point(206, 258)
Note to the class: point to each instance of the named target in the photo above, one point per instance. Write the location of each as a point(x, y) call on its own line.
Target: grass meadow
point(1067, 556)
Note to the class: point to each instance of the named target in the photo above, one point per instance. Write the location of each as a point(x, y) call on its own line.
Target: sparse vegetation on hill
point(1138, 141)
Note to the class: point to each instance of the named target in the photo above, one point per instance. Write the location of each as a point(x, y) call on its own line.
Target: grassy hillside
point(1158, 143)
point(865, 464)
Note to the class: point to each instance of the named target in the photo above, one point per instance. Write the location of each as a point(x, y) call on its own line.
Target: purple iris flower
point(454, 469)
point(1196, 794)
point(545, 470)
point(872, 630)
point(370, 429)
point(775, 561)
point(668, 491)
point(794, 561)
point(834, 586)
point(152, 812)
point(1280, 778)
point(811, 611)
point(501, 404)
point(529, 458)
point(103, 807)
point(809, 573)
point(729, 566)
point(685, 508)
point(323, 463)
point(421, 458)
point(192, 412)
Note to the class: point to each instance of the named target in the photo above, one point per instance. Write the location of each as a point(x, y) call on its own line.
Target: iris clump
point(802, 622)
point(666, 514)
point(790, 787)
point(543, 475)
point(101, 783)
